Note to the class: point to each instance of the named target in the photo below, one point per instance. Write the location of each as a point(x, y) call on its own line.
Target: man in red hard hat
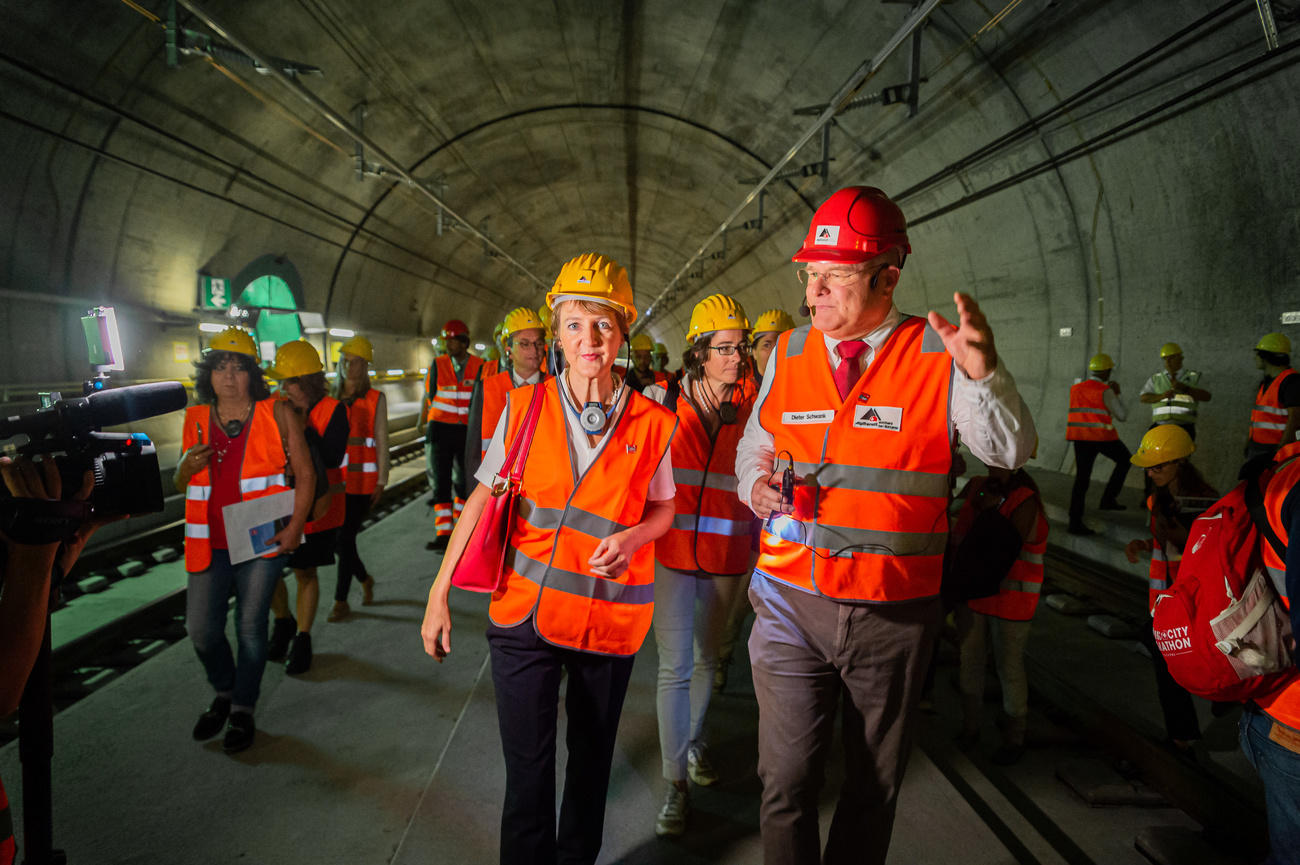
point(864, 405)
point(447, 391)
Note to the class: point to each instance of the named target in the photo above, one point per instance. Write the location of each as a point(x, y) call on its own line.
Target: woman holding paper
point(578, 588)
point(235, 443)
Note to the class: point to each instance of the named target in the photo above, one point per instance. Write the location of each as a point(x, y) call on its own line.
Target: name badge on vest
point(825, 415)
point(886, 417)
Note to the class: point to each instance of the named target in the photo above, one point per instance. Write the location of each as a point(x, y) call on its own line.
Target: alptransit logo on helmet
point(827, 235)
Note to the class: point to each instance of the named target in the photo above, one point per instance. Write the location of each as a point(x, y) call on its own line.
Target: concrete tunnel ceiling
point(564, 126)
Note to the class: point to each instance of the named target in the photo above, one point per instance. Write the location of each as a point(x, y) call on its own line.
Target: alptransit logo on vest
point(827, 235)
point(1173, 640)
point(886, 417)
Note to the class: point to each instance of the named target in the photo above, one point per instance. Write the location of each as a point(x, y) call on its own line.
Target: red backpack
point(1221, 627)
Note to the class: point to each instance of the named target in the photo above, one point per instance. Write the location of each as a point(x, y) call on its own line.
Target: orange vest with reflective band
point(1268, 418)
point(490, 367)
point(260, 474)
point(1089, 419)
point(1165, 559)
point(712, 527)
point(362, 464)
point(873, 502)
point(1018, 593)
point(495, 390)
point(319, 418)
point(560, 522)
point(1283, 704)
point(448, 395)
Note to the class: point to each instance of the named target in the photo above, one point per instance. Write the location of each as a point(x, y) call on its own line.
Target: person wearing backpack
point(1270, 724)
point(1004, 616)
point(1180, 494)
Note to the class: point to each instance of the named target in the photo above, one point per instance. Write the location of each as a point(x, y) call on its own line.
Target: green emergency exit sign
point(214, 292)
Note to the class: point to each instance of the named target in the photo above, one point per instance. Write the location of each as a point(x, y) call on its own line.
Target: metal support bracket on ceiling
point(365, 169)
point(820, 168)
point(1265, 8)
point(182, 41)
point(343, 125)
point(914, 19)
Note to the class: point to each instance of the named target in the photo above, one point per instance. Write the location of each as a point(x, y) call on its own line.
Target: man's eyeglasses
point(836, 277)
point(729, 350)
point(524, 343)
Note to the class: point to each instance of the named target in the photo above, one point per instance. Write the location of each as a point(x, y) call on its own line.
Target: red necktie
point(846, 374)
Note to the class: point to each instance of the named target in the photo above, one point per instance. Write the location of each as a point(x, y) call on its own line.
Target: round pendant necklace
point(233, 428)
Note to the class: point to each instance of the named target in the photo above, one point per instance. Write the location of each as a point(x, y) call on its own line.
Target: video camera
point(124, 465)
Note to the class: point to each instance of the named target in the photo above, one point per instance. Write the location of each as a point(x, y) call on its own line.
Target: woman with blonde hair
point(577, 595)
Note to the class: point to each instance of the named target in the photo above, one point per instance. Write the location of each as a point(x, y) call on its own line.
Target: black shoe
point(282, 631)
point(239, 733)
point(299, 660)
point(438, 544)
point(211, 721)
point(1080, 529)
point(1112, 506)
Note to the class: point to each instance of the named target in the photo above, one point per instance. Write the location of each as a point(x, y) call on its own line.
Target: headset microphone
point(804, 310)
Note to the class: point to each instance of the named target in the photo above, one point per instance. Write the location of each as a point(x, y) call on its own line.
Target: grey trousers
point(812, 656)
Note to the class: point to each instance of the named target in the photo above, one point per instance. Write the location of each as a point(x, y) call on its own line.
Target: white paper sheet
point(250, 524)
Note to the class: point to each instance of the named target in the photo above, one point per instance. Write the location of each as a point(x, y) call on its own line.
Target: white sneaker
point(672, 816)
point(698, 767)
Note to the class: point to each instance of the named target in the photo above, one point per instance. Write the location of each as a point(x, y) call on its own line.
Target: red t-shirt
point(223, 467)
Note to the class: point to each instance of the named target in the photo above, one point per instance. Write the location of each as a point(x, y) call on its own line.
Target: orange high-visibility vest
point(362, 474)
point(489, 368)
point(560, 522)
point(1268, 418)
point(319, 418)
point(1165, 559)
point(449, 395)
point(260, 474)
point(712, 527)
point(873, 504)
point(1089, 419)
point(1283, 703)
point(1018, 593)
point(495, 390)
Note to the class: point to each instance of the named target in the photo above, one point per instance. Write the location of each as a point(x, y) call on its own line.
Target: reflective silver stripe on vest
point(450, 408)
point(1262, 425)
point(846, 540)
point(710, 480)
point(1075, 423)
point(1278, 578)
point(1270, 409)
point(1031, 558)
point(549, 519)
point(798, 337)
point(1158, 584)
point(582, 585)
point(198, 493)
point(872, 480)
point(1021, 586)
point(196, 530)
point(712, 525)
point(931, 341)
point(257, 485)
point(363, 468)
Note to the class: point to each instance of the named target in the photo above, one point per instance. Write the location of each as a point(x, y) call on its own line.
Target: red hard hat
point(855, 224)
point(455, 327)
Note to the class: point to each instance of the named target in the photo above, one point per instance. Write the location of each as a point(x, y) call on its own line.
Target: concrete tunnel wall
point(590, 127)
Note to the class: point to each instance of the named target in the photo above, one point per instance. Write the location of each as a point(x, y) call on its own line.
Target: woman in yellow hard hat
point(524, 337)
point(234, 444)
point(1181, 495)
point(367, 468)
point(702, 562)
point(301, 374)
point(768, 327)
point(577, 591)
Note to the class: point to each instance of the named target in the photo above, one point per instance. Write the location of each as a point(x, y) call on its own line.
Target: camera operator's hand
point(39, 479)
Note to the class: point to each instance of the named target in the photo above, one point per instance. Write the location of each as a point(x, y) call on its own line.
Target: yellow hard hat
point(716, 312)
point(492, 353)
point(295, 358)
point(234, 339)
point(1100, 363)
point(662, 349)
point(642, 342)
point(544, 316)
point(773, 321)
point(1274, 342)
point(595, 277)
point(519, 319)
point(1163, 444)
point(1170, 349)
point(359, 346)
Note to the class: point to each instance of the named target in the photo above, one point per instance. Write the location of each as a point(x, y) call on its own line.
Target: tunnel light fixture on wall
point(479, 346)
point(395, 371)
point(211, 327)
point(342, 332)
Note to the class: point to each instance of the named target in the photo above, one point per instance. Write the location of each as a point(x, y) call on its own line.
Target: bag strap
point(513, 467)
point(1255, 504)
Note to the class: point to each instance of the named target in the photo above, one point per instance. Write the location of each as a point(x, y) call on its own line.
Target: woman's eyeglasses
point(729, 350)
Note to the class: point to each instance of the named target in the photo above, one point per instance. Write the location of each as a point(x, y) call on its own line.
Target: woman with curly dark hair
point(237, 444)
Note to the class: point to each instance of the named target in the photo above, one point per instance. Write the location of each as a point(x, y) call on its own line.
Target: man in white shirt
point(864, 407)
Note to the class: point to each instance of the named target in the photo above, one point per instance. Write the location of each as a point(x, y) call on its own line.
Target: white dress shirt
point(988, 413)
